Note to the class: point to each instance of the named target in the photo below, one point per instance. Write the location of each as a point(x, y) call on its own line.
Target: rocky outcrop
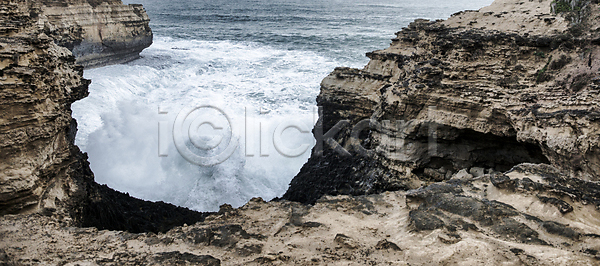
point(98, 32)
point(495, 219)
point(41, 169)
point(480, 92)
point(39, 82)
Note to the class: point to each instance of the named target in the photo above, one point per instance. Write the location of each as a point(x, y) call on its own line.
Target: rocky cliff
point(41, 169)
point(39, 82)
point(469, 141)
point(98, 32)
point(480, 92)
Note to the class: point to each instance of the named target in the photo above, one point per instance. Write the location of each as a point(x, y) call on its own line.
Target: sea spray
point(263, 58)
point(255, 86)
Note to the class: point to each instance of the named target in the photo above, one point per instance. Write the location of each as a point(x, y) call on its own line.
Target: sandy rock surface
point(491, 220)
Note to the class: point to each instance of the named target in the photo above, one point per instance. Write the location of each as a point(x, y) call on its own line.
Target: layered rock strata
point(39, 82)
point(98, 32)
point(511, 83)
point(491, 151)
point(41, 170)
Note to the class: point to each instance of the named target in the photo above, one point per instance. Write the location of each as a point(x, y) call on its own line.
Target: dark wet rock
point(221, 236)
point(357, 204)
point(502, 181)
point(225, 209)
point(447, 197)
point(483, 211)
point(423, 220)
point(265, 260)
point(510, 228)
point(333, 174)
point(248, 250)
point(451, 205)
point(532, 218)
point(556, 182)
point(177, 258)
point(434, 189)
point(434, 174)
point(528, 260)
point(562, 205)
point(312, 224)
point(385, 244)
point(517, 251)
point(561, 230)
point(591, 251)
point(106, 208)
point(5, 260)
point(527, 184)
point(460, 224)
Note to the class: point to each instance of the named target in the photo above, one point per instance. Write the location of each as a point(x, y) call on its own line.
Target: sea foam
point(257, 87)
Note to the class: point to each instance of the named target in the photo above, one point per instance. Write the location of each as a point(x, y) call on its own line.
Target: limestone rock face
point(41, 169)
point(511, 83)
point(98, 32)
point(39, 82)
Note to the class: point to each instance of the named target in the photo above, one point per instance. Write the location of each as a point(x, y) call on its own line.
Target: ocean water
point(219, 109)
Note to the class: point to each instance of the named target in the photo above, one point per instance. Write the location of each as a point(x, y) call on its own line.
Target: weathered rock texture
point(39, 82)
point(41, 170)
point(491, 220)
point(511, 83)
point(491, 138)
point(98, 32)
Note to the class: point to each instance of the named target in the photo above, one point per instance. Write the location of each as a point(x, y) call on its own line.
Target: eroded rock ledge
point(97, 32)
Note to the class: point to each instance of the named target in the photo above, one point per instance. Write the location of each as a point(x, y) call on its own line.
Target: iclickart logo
point(206, 135)
point(204, 149)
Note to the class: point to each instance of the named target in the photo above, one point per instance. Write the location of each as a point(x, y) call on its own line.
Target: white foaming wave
point(119, 121)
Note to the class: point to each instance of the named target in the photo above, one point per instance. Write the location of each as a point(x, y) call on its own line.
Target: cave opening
point(468, 149)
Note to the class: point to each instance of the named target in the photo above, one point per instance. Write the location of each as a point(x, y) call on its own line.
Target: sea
point(220, 108)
